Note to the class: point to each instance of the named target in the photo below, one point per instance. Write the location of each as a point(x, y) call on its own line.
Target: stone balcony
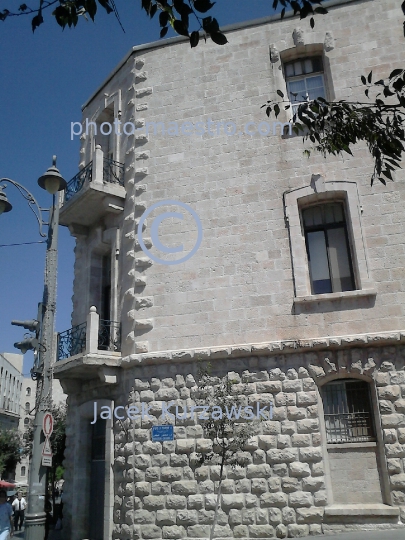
point(96, 190)
point(90, 350)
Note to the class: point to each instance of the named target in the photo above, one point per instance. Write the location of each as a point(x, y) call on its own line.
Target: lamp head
point(5, 206)
point(52, 180)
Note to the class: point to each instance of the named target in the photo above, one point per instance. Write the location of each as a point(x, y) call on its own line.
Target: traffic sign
point(47, 461)
point(162, 433)
point(47, 450)
point(47, 424)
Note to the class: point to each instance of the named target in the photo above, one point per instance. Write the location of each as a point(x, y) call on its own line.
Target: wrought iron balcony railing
point(113, 172)
point(75, 340)
point(72, 341)
point(109, 336)
point(100, 170)
point(78, 181)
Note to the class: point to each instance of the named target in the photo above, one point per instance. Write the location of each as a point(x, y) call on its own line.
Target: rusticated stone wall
point(286, 485)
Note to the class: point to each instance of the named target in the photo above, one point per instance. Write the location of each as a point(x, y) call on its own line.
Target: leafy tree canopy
point(10, 445)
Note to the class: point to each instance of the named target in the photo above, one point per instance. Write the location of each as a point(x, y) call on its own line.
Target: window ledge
point(361, 510)
point(352, 445)
point(334, 296)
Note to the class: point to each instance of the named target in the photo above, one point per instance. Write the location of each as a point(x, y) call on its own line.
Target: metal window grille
point(348, 412)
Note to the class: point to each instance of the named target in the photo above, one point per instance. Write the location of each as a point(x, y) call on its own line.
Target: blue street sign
point(162, 433)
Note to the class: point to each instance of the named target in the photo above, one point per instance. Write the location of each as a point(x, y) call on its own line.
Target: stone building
point(10, 389)
point(297, 289)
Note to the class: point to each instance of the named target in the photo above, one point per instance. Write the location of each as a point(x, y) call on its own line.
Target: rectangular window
point(305, 81)
point(348, 411)
point(330, 266)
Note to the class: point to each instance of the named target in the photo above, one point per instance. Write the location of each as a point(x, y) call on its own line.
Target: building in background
point(10, 389)
point(297, 290)
point(27, 413)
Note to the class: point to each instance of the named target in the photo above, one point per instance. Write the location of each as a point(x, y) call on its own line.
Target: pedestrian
point(19, 506)
point(6, 521)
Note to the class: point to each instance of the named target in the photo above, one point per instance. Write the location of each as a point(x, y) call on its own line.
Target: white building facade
point(297, 290)
point(10, 389)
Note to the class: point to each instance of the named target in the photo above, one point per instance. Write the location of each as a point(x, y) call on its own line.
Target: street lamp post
point(53, 182)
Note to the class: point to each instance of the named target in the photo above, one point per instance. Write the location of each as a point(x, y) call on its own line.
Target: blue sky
point(46, 77)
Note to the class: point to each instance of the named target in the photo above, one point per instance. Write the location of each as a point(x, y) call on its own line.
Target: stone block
point(178, 460)
point(154, 502)
point(195, 502)
point(397, 481)
point(288, 427)
point(152, 474)
point(300, 498)
point(274, 483)
point(301, 439)
point(262, 517)
point(203, 446)
point(165, 517)
point(307, 398)
point(268, 386)
point(281, 531)
point(187, 517)
point(270, 427)
point(242, 486)
point(394, 466)
point(265, 442)
point(174, 532)
point(160, 488)
point(282, 456)
point(185, 446)
point(290, 484)
point(232, 501)
point(288, 515)
point(150, 447)
point(299, 470)
point(320, 498)
point(228, 486)
point(313, 484)
point(274, 516)
point(143, 516)
point(311, 454)
point(222, 531)
point(176, 502)
point(260, 531)
point(308, 425)
point(188, 487)
point(258, 471)
point(142, 489)
point(392, 420)
point(141, 461)
point(259, 485)
point(401, 435)
point(267, 500)
point(298, 531)
point(394, 450)
point(235, 517)
point(170, 474)
point(390, 435)
point(400, 405)
point(283, 441)
point(390, 392)
point(309, 515)
point(198, 531)
point(280, 469)
point(240, 531)
point(296, 413)
point(210, 501)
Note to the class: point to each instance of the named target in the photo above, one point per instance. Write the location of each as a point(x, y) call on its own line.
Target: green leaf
point(312, 22)
point(163, 18)
point(280, 93)
point(194, 39)
point(106, 5)
point(203, 5)
point(180, 28)
point(219, 38)
point(370, 75)
point(164, 31)
point(395, 73)
point(282, 13)
point(276, 110)
point(321, 10)
point(363, 79)
point(36, 21)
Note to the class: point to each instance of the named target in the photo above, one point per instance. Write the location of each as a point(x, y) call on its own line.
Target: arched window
point(27, 407)
point(28, 391)
point(348, 411)
point(23, 471)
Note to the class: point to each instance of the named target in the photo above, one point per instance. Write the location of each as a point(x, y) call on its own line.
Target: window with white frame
point(328, 251)
point(305, 80)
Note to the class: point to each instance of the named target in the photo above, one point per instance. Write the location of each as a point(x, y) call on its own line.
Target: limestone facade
point(243, 302)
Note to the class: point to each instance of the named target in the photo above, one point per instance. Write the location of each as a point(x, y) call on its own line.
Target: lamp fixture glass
point(52, 181)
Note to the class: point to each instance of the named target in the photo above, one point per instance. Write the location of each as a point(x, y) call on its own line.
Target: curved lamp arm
point(28, 196)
